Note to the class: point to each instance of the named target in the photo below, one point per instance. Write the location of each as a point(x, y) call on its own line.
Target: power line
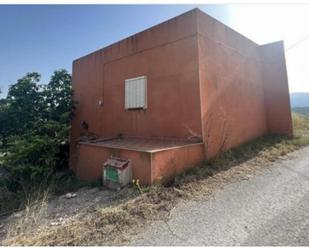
point(297, 43)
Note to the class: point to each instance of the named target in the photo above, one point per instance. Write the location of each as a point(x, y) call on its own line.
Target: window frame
point(126, 105)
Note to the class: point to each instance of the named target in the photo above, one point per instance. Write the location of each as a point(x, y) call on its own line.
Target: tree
point(4, 121)
point(23, 104)
point(59, 96)
point(37, 123)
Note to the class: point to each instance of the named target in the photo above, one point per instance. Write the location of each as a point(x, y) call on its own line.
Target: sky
point(43, 38)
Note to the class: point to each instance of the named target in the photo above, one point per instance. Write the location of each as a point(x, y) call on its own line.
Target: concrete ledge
point(147, 166)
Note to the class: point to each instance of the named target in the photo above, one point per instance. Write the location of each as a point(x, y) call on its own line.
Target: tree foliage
point(35, 123)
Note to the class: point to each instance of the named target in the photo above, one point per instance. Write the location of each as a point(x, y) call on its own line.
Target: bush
point(34, 132)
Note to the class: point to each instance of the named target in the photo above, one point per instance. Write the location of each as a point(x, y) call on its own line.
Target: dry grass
point(30, 216)
point(301, 126)
point(114, 224)
point(103, 226)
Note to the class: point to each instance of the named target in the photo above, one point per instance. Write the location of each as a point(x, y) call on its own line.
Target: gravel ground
point(60, 209)
point(270, 209)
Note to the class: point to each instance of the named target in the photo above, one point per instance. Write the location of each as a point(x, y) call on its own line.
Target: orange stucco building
point(175, 94)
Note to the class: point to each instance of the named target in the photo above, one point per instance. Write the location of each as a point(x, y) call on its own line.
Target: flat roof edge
point(137, 33)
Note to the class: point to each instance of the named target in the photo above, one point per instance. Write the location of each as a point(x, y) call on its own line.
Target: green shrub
point(34, 133)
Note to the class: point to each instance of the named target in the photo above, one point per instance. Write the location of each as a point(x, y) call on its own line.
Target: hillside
point(299, 99)
point(301, 110)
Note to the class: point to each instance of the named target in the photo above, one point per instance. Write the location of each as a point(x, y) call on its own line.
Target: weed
point(136, 184)
point(111, 225)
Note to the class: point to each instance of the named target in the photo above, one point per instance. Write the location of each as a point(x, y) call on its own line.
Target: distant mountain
point(301, 110)
point(299, 99)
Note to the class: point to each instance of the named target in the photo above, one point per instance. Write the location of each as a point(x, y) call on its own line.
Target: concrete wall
point(167, 163)
point(148, 167)
point(231, 86)
point(167, 55)
point(277, 98)
point(91, 159)
point(203, 78)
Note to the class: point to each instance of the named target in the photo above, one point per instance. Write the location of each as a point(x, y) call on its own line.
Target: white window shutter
point(136, 93)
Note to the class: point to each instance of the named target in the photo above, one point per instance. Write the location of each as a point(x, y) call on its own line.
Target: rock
point(60, 221)
point(70, 195)
point(17, 215)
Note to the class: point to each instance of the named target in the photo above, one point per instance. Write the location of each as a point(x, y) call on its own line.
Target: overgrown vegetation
point(34, 132)
point(116, 223)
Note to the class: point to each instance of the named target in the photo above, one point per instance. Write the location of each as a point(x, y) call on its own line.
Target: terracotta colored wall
point(232, 93)
point(146, 166)
point(276, 87)
point(168, 163)
point(167, 55)
point(203, 77)
point(92, 157)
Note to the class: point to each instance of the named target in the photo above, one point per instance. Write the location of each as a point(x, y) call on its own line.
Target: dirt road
point(270, 209)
